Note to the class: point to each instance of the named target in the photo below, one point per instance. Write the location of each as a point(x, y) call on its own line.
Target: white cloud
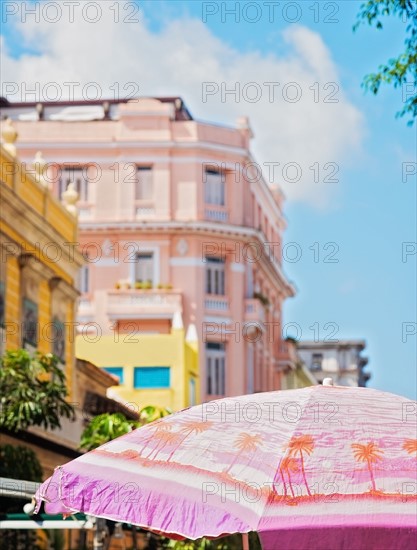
point(184, 54)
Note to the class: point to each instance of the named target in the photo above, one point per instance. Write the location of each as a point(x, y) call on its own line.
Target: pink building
point(178, 211)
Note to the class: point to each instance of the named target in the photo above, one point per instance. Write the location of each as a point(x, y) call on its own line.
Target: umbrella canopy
point(319, 467)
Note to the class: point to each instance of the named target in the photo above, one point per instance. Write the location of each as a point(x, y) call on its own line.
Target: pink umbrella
point(316, 468)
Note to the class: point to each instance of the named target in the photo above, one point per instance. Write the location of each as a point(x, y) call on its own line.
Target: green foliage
point(32, 391)
point(151, 412)
point(105, 427)
point(18, 462)
point(401, 71)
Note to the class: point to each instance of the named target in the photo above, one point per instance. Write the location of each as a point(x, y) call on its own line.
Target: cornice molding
point(57, 283)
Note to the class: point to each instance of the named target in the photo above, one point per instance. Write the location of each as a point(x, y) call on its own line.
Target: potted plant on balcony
point(117, 286)
point(123, 284)
point(147, 285)
point(168, 286)
point(139, 285)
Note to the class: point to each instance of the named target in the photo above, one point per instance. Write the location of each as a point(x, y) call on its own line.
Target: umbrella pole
point(245, 541)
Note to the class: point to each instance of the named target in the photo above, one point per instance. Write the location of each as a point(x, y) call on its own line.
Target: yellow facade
point(178, 387)
point(39, 264)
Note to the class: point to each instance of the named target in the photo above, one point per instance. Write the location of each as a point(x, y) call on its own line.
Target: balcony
point(137, 304)
point(144, 209)
point(254, 311)
point(216, 303)
point(216, 214)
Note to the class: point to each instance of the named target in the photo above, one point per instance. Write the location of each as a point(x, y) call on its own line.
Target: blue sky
point(369, 213)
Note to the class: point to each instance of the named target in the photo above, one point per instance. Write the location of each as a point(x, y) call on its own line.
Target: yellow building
point(295, 373)
point(38, 269)
point(39, 263)
point(153, 369)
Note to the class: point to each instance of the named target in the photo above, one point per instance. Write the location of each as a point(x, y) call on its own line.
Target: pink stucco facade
point(171, 202)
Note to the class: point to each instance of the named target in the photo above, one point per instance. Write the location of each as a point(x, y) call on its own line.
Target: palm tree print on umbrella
point(299, 445)
point(164, 438)
point(288, 465)
point(162, 428)
point(245, 443)
point(410, 445)
point(189, 428)
point(369, 453)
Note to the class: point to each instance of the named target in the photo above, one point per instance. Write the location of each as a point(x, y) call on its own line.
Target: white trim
point(125, 316)
point(177, 261)
point(106, 163)
point(107, 262)
point(133, 145)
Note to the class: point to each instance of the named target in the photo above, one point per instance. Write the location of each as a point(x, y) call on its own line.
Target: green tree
point(401, 71)
point(105, 427)
point(32, 391)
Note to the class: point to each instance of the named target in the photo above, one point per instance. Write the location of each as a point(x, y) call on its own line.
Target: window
point(151, 378)
point(30, 323)
point(215, 270)
point(79, 177)
point(58, 339)
point(215, 368)
point(144, 184)
point(84, 279)
point(115, 371)
point(144, 269)
point(316, 361)
point(214, 187)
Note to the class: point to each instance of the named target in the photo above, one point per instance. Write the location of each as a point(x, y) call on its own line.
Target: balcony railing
point(218, 214)
point(145, 211)
point(144, 208)
point(218, 303)
point(132, 303)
